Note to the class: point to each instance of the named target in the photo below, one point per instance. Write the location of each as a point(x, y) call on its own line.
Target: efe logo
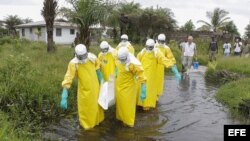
point(236, 132)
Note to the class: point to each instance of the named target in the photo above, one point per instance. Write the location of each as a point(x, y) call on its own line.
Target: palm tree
point(113, 21)
point(188, 26)
point(155, 21)
point(11, 21)
point(218, 18)
point(27, 20)
point(203, 28)
point(230, 27)
point(86, 13)
point(49, 13)
point(247, 32)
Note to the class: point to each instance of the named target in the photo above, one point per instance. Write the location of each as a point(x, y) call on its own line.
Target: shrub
point(6, 40)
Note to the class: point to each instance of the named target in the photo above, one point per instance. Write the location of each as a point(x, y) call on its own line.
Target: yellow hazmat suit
point(126, 90)
point(166, 51)
point(107, 63)
point(90, 113)
point(128, 45)
point(150, 61)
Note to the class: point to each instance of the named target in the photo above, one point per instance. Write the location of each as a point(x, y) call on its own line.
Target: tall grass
point(7, 133)
point(239, 65)
point(30, 84)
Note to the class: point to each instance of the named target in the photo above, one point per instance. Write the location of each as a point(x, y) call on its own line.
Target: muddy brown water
point(187, 111)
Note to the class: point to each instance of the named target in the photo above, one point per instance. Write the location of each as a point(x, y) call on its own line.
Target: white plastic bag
point(111, 91)
point(107, 94)
point(102, 100)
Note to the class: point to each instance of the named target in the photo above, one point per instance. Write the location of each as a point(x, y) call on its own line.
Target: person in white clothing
point(188, 52)
point(237, 47)
point(182, 44)
point(227, 49)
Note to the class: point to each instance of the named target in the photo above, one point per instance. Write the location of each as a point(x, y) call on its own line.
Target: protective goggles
point(105, 50)
point(150, 47)
point(123, 60)
point(124, 40)
point(82, 56)
point(161, 41)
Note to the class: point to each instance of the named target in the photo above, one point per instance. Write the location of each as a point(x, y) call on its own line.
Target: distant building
point(2, 24)
point(63, 32)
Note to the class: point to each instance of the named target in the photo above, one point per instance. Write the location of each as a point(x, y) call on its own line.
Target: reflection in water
point(186, 112)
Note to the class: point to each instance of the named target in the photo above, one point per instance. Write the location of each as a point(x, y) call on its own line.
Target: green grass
point(30, 84)
point(229, 73)
point(233, 93)
point(7, 132)
point(239, 65)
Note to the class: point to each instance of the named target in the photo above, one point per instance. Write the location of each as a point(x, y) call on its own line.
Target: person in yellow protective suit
point(107, 60)
point(129, 69)
point(86, 67)
point(151, 57)
point(166, 51)
point(125, 43)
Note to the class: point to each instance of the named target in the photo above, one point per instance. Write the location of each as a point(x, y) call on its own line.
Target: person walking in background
point(188, 52)
point(182, 44)
point(227, 49)
point(125, 43)
point(237, 47)
point(213, 50)
point(245, 49)
point(107, 60)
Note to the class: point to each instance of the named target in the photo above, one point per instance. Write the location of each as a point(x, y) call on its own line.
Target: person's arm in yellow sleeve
point(115, 54)
point(139, 56)
point(170, 64)
point(164, 60)
point(98, 71)
point(169, 55)
point(69, 76)
point(66, 84)
point(141, 78)
point(97, 64)
point(131, 49)
point(138, 71)
point(100, 57)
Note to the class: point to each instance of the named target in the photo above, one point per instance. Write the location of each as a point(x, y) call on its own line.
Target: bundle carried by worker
point(107, 93)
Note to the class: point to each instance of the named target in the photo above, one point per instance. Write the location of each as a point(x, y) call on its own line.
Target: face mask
point(123, 60)
point(149, 48)
point(82, 58)
point(124, 40)
point(124, 44)
point(161, 41)
point(105, 50)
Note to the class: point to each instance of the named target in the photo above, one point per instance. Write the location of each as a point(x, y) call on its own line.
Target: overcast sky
point(184, 10)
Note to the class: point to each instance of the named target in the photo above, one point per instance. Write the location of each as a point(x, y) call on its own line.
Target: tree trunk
point(115, 35)
point(50, 42)
point(85, 36)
